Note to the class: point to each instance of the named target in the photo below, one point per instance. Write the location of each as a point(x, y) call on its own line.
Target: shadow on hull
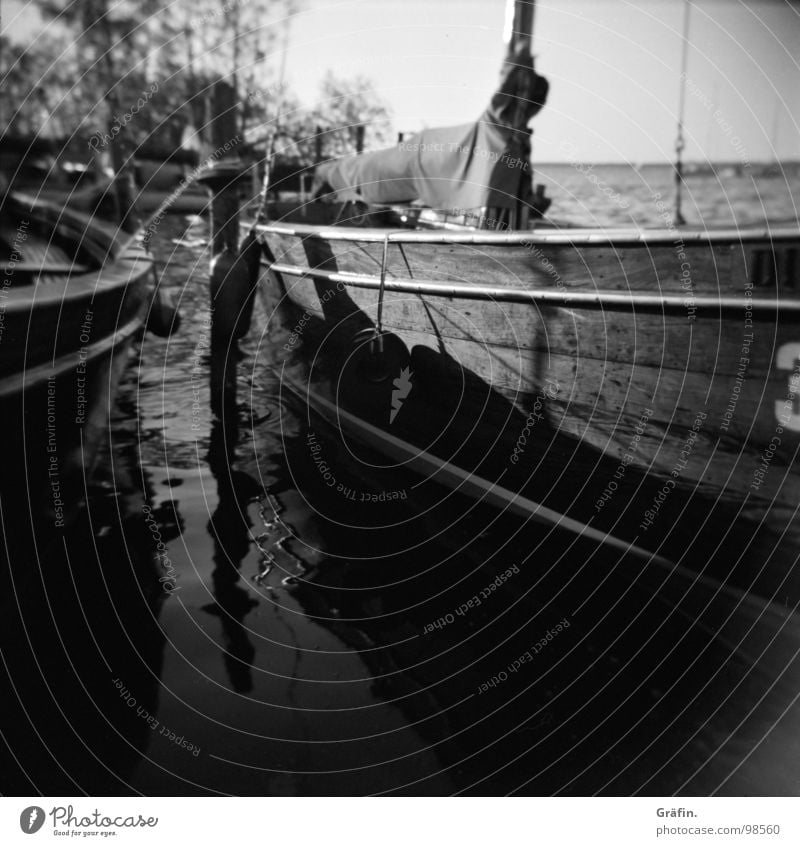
point(427, 398)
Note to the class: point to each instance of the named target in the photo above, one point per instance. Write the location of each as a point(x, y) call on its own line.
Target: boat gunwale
point(537, 237)
point(103, 240)
point(71, 288)
point(122, 259)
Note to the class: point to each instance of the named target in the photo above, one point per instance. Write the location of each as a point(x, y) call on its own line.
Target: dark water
point(293, 637)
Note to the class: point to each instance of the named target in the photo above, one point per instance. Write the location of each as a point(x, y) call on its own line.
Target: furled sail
point(456, 169)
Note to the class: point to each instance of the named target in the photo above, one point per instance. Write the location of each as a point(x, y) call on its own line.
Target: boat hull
point(66, 338)
point(624, 377)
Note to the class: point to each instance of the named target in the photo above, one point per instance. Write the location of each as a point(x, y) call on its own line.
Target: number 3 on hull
point(787, 412)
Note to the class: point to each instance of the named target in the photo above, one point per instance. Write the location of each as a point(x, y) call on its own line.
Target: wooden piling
point(224, 169)
point(234, 272)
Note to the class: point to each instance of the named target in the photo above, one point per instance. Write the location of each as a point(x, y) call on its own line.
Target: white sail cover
point(456, 169)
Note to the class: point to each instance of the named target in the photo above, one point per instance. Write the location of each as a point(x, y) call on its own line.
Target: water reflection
point(81, 626)
point(230, 526)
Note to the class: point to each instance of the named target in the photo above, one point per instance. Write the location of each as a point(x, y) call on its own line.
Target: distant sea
point(624, 195)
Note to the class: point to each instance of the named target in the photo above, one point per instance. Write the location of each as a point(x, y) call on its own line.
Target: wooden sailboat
point(642, 385)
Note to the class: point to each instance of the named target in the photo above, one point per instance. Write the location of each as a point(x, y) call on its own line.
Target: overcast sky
point(613, 67)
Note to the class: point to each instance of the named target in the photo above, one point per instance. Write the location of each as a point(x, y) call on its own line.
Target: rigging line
point(679, 140)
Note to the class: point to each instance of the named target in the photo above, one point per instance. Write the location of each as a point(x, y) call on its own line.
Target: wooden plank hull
point(65, 340)
point(624, 375)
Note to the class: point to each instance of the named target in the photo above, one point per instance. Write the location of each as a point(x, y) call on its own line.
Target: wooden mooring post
point(234, 270)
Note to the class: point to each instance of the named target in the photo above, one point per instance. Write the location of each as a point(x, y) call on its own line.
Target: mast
point(518, 24)
point(679, 140)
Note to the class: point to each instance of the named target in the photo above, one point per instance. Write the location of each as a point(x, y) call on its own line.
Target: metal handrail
point(544, 296)
point(538, 237)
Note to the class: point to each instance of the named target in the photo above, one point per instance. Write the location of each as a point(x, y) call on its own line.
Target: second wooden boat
point(74, 294)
